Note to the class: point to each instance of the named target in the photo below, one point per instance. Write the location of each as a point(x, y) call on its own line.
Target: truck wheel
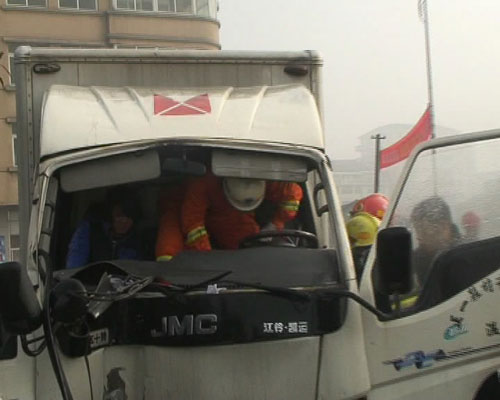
point(490, 389)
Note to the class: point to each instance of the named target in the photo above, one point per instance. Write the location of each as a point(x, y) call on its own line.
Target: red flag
point(195, 105)
point(400, 150)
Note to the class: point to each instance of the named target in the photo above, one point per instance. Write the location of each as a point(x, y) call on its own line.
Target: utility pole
point(424, 16)
point(378, 137)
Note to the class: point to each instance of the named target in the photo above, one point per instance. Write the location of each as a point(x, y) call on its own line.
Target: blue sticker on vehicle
point(419, 359)
point(456, 329)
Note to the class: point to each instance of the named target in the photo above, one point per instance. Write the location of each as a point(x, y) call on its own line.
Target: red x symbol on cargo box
point(195, 105)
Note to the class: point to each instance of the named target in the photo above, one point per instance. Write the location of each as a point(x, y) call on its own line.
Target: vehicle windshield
point(195, 208)
point(449, 203)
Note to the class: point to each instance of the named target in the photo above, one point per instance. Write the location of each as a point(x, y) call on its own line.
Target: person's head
point(124, 210)
point(362, 229)
point(375, 204)
point(244, 194)
point(433, 225)
point(471, 223)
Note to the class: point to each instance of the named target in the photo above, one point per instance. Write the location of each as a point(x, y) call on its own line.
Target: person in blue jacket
point(110, 236)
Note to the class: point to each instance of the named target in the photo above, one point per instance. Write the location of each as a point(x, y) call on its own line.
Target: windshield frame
point(50, 167)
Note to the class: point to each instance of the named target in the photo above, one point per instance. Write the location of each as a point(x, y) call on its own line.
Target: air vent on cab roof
point(296, 70)
point(46, 68)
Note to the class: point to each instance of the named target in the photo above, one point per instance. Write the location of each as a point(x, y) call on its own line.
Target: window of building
point(15, 245)
point(14, 241)
point(203, 8)
point(14, 147)
point(14, 238)
point(146, 5)
point(14, 255)
point(184, 6)
point(125, 4)
point(27, 3)
point(13, 215)
point(11, 68)
point(78, 4)
point(174, 6)
point(199, 7)
point(166, 5)
point(3, 253)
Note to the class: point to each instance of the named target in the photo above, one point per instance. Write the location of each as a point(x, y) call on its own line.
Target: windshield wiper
point(294, 293)
point(275, 290)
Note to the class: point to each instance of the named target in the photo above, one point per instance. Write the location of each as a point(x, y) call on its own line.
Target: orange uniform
point(206, 211)
point(170, 240)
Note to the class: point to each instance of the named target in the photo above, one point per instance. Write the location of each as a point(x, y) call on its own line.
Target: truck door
point(17, 377)
point(444, 342)
point(17, 369)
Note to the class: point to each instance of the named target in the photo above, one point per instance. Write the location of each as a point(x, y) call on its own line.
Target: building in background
point(164, 24)
point(355, 178)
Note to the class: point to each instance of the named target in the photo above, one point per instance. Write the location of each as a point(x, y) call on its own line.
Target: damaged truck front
point(279, 315)
point(269, 319)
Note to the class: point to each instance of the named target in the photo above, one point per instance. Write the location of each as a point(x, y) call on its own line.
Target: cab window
point(449, 204)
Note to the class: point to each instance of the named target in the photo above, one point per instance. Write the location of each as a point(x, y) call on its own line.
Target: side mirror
point(67, 301)
point(394, 260)
point(19, 306)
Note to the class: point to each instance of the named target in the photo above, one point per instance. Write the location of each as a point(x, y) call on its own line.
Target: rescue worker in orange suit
point(221, 211)
point(170, 240)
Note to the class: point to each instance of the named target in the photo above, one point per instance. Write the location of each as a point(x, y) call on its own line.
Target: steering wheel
point(257, 239)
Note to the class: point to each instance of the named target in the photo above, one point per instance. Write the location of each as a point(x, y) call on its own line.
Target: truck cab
point(280, 315)
point(435, 271)
point(253, 321)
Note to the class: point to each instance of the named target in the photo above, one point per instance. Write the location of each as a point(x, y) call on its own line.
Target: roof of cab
point(76, 117)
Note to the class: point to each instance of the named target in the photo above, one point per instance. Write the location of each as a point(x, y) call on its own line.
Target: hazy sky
point(374, 54)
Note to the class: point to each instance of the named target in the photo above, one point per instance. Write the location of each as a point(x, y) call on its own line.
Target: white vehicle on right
point(435, 271)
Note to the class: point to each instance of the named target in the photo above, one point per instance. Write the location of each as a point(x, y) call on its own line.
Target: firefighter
point(375, 204)
point(170, 240)
point(471, 222)
point(362, 230)
point(435, 232)
point(221, 211)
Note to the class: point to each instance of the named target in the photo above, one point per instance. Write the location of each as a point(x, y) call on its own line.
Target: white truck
point(274, 319)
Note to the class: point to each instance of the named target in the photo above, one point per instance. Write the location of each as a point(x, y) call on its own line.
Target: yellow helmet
point(362, 229)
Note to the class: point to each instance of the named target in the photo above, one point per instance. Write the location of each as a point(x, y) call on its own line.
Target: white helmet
point(244, 194)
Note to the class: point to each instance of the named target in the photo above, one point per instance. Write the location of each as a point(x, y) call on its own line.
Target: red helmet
point(471, 219)
point(374, 204)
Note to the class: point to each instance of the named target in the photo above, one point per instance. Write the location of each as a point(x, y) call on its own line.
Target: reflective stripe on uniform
point(291, 205)
point(196, 234)
point(406, 303)
point(166, 257)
